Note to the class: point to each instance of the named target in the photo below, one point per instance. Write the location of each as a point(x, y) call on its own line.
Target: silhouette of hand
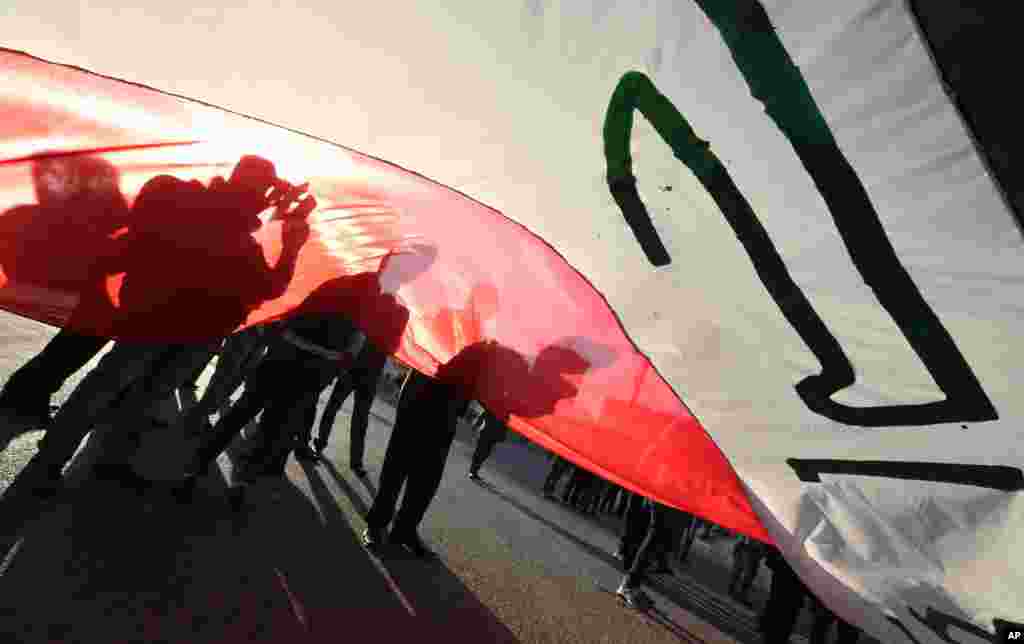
point(295, 234)
point(293, 211)
point(285, 198)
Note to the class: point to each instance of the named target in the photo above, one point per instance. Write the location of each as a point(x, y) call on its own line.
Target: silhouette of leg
point(644, 554)
point(549, 482)
point(665, 544)
point(486, 441)
point(635, 528)
point(227, 428)
point(290, 409)
point(174, 370)
point(167, 375)
point(343, 386)
point(360, 424)
point(275, 374)
point(621, 502)
point(689, 535)
point(424, 476)
point(636, 575)
point(307, 418)
point(571, 491)
point(398, 461)
point(738, 564)
point(277, 427)
point(593, 494)
point(91, 401)
point(193, 380)
point(823, 619)
point(608, 499)
point(846, 633)
point(232, 362)
point(299, 429)
point(784, 603)
point(558, 466)
point(603, 497)
point(751, 565)
point(31, 387)
point(583, 488)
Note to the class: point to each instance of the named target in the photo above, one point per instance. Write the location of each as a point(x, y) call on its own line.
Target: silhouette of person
point(581, 489)
point(302, 435)
point(205, 236)
point(594, 494)
point(747, 555)
point(608, 497)
point(689, 534)
point(559, 466)
point(304, 358)
point(416, 454)
point(58, 244)
point(273, 446)
point(464, 326)
point(490, 432)
point(239, 354)
point(362, 380)
point(193, 273)
point(303, 416)
point(635, 525)
point(425, 423)
point(785, 599)
point(824, 618)
point(637, 561)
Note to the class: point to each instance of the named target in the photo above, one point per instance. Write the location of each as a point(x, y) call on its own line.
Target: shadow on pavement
point(590, 549)
point(516, 461)
point(10, 430)
point(446, 610)
point(106, 564)
point(689, 595)
point(353, 496)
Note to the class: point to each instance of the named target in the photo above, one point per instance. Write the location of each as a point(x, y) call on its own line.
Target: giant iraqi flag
point(780, 289)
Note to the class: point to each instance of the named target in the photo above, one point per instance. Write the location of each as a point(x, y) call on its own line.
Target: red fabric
point(428, 273)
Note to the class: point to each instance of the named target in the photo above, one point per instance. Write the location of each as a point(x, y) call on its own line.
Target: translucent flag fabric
point(83, 249)
point(756, 229)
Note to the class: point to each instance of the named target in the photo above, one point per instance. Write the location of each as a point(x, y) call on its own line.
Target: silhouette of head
point(486, 371)
point(403, 265)
point(163, 201)
point(250, 181)
point(503, 380)
point(61, 180)
point(510, 386)
point(253, 173)
point(548, 375)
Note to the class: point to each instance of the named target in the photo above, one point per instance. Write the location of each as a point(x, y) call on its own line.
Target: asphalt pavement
point(107, 564)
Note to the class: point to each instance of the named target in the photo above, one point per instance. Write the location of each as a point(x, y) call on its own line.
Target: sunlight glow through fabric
point(532, 301)
point(741, 256)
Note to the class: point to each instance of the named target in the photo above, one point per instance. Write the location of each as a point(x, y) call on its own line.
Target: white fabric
point(505, 102)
